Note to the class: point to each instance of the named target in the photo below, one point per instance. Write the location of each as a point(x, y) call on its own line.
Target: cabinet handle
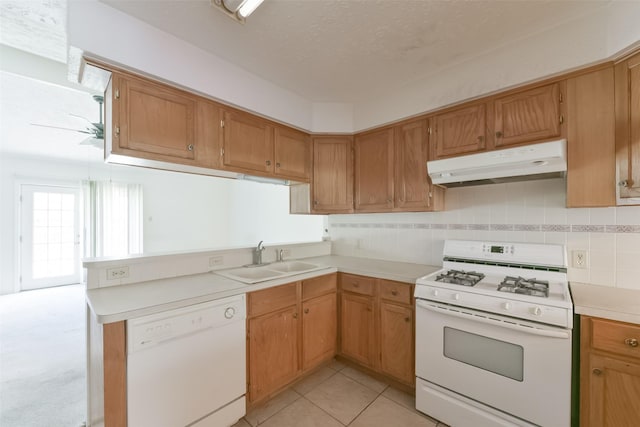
point(632, 342)
point(315, 202)
point(278, 164)
point(306, 311)
point(480, 138)
point(597, 371)
point(628, 183)
point(388, 200)
point(268, 162)
point(499, 134)
point(407, 319)
point(394, 292)
point(369, 309)
point(117, 130)
point(295, 315)
point(190, 147)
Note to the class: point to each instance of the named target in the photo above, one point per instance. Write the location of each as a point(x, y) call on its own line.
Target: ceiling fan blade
point(62, 128)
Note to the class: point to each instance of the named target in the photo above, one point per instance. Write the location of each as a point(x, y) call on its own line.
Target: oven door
point(519, 367)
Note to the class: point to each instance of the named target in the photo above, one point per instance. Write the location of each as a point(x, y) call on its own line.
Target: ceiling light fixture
point(237, 9)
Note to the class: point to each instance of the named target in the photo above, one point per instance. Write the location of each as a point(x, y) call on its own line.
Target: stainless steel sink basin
point(250, 274)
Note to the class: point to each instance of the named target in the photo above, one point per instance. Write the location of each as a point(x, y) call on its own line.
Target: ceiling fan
point(95, 130)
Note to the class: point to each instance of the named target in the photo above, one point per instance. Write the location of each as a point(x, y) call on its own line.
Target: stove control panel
point(532, 311)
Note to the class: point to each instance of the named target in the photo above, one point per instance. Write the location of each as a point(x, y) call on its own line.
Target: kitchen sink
point(251, 274)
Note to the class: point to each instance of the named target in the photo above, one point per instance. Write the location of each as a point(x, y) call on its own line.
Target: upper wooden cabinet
point(254, 145)
point(459, 132)
point(247, 143)
point(591, 140)
point(292, 154)
point(158, 122)
point(412, 186)
point(332, 181)
point(374, 171)
point(532, 115)
point(627, 108)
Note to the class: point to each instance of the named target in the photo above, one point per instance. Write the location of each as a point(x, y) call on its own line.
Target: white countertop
point(606, 302)
point(115, 303)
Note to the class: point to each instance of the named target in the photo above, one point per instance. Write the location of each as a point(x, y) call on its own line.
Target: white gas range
point(494, 336)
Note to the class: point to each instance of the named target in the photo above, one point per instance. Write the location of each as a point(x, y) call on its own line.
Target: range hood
point(537, 161)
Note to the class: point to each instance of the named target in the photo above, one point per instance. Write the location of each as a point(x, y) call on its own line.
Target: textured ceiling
point(353, 50)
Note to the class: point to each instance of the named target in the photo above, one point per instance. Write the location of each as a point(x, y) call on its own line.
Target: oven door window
point(500, 357)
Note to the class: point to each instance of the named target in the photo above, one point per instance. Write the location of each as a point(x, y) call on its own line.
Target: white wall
point(531, 211)
point(181, 211)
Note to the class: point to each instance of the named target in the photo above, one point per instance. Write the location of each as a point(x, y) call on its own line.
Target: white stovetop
point(607, 302)
point(115, 303)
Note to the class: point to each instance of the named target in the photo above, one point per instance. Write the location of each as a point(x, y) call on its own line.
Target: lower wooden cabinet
point(609, 373)
point(291, 329)
point(377, 326)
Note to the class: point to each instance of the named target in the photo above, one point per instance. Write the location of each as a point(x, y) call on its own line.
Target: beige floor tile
point(242, 423)
point(301, 413)
point(336, 366)
point(342, 397)
point(312, 381)
point(405, 399)
point(386, 413)
point(260, 414)
point(364, 379)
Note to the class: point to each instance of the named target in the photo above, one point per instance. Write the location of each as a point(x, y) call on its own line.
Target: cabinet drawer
point(319, 286)
point(272, 299)
point(358, 284)
point(395, 291)
point(621, 338)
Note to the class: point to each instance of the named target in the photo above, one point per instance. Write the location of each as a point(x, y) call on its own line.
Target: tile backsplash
point(532, 211)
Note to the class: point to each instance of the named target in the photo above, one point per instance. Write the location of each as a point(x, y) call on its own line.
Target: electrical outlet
point(117, 273)
point(579, 259)
point(216, 261)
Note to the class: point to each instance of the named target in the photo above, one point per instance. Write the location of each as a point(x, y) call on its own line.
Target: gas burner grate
point(459, 277)
point(520, 285)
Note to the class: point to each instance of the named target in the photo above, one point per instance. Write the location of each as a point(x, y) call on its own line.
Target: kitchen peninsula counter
point(606, 302)
point(123, 302)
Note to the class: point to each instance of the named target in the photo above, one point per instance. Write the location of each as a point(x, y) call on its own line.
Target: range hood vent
point(537, 161)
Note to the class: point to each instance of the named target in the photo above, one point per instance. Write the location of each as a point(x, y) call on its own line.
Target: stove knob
point(537, 311)
point(455, 296)
point(434, 292)
point(506, 305)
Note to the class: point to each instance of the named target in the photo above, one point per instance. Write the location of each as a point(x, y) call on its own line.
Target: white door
point(49, 236)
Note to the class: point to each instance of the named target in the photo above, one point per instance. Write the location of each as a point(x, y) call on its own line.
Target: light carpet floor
point(42, 358)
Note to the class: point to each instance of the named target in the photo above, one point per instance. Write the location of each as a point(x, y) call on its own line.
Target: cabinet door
point(627, 87)
point(332, 183)
point(319, 330)
point(155, 121)
point(374, 171)
point(533, 115)
point(357, 339)
point(412, 187)
point(459, 132)
point(247, 143)
point(614, 393)
point(396, 342)
point(292, 154)
point(591, 140)
point(273, 351)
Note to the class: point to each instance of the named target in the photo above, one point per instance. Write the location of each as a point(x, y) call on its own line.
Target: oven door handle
point(496, 322)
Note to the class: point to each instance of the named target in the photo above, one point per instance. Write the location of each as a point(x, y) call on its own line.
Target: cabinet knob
point(628, 183)
point(369, 309)
point(190, 147)
point(355, 284)
point(295, 315)
point(480, 138)
point(278, 164)
point(268, 162)
point(631, 342)
point(407, 319)
point(394, 292)
point(597, 371)
point(306, 311)
point(499, 134)
point(388, 200)
point(315, 202)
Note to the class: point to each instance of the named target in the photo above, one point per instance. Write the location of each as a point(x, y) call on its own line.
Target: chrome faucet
point(257, 254)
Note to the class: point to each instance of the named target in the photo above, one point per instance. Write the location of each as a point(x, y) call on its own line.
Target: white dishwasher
point(187, 367)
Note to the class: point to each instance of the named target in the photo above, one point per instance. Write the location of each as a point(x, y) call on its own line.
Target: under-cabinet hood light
point(237, 9)
point(264, 180)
